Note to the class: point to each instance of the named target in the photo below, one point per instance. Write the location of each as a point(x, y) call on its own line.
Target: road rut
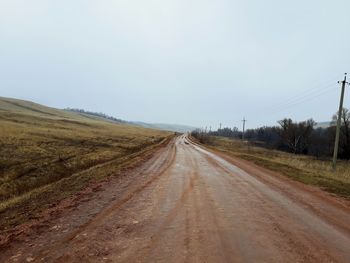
point(188, 204)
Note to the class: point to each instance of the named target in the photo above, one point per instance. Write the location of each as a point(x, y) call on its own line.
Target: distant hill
point(96, 114)
point(166, 127)
point(14, 106)
point(157, 126)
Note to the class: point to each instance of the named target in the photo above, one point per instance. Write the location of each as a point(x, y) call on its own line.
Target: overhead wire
point(306, 98)
point(312, 97)
point(306, 93)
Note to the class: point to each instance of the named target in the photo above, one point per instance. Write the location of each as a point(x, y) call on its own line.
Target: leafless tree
point(296, 134)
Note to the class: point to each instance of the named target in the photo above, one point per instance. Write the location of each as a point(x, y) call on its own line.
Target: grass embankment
point(301, 168)
point(48, 154)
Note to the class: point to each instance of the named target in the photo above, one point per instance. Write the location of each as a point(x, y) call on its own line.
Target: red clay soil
point(188, 204)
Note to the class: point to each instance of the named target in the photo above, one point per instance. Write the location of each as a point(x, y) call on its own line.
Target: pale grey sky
point(198, 62)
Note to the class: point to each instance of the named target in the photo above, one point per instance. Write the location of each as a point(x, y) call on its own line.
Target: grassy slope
point(47, 154)
point(304, 169)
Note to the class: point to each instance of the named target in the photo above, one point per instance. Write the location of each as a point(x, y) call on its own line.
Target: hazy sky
point(195, 62)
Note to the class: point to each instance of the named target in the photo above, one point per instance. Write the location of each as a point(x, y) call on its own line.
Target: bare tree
point(296, 135)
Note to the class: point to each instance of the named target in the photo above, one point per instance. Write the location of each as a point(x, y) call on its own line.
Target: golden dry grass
point(47, 154)
point(302, 168)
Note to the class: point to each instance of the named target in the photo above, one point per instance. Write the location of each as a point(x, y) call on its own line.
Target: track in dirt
point(187, 204)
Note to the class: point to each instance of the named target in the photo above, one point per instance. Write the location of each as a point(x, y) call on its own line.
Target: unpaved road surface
point(187, 204)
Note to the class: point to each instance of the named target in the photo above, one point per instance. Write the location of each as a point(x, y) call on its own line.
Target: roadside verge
point(32, 205)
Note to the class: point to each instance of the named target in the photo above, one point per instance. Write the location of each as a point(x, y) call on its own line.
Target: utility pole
point(220, 125)
point(244, 121)
point(337, 135)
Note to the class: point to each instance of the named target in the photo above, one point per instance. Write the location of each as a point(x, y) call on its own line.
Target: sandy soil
point(188, 204)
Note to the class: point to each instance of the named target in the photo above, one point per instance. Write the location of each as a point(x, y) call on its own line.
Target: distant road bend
point(188, 204)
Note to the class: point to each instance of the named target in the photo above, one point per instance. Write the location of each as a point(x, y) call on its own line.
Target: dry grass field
point(48, 154)
point(302, 168)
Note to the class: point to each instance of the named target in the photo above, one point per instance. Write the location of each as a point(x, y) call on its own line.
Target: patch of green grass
point(305, 169)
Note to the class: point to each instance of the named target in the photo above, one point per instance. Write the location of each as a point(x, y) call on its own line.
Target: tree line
point(295, 137)
point(97, 114)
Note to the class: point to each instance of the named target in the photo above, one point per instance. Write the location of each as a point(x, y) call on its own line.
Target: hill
point(157, 126)
point(98, 115)
point(166, 127)
point(47, 154)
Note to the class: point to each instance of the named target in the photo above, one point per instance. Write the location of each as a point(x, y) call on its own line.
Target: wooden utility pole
point(337, 135)
point(244, 121)
point(220, 125)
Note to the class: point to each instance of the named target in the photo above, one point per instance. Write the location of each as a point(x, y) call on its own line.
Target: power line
point(308, 93)
point(311, 97)
point(302, 97)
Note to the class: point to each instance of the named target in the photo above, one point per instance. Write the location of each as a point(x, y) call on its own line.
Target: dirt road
point(190, 205)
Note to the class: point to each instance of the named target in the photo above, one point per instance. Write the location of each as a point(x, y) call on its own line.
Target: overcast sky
point(195, 62)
